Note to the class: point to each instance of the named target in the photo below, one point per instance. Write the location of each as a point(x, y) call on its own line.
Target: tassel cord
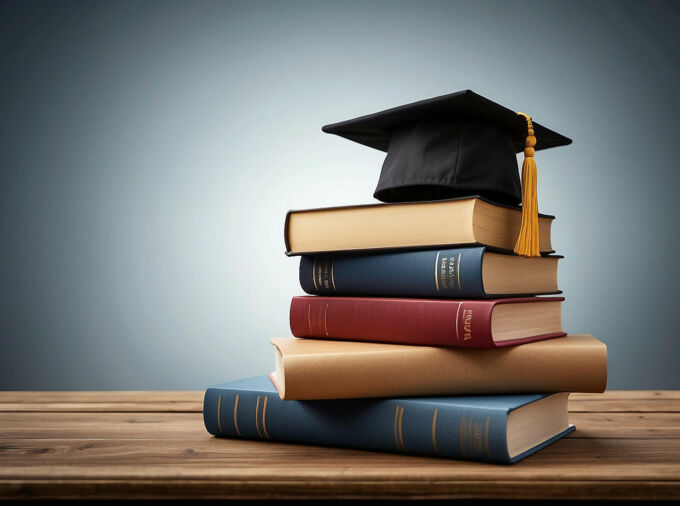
point(527, 244)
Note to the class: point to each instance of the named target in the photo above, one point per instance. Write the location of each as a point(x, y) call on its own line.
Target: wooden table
point(153, 445)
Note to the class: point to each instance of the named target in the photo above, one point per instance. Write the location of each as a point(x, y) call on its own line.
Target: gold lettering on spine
point(316, 288)
point(332, 277)
point(264, 413)
point(447, 272)
point(219, 410)
point(257, 410)
point(235, 412)
point(459, 254)
point(323, 275)
point(434, 431)
point(486, 436)
point(442, 273)
point(467, 324)
point(476, 438)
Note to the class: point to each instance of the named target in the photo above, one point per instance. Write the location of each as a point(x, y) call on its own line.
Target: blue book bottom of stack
point(503, 428)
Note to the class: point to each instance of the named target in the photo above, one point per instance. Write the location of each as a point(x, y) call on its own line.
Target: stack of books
point(422, 333)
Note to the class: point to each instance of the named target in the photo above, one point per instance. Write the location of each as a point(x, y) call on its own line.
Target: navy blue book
point(458, 273)
point(503, 428)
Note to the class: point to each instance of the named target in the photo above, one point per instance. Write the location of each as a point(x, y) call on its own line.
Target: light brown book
point(319, 369)
point(468, 220)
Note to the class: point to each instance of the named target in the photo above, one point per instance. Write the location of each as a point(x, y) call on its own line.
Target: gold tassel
point(527, 242)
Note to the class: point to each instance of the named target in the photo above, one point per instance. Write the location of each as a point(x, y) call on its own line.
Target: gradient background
point(150, 150)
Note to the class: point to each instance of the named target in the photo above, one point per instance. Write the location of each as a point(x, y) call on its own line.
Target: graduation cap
point(456, 145)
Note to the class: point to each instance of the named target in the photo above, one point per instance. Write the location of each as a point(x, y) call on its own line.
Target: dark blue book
point(503, 428)
point(457, 273)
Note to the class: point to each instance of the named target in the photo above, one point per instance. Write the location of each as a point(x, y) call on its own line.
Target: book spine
point(404, 321)
point(402, 425)
point(444, 273)
point(309, 369)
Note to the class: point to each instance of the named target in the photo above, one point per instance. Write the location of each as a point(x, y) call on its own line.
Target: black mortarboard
point(456, 145)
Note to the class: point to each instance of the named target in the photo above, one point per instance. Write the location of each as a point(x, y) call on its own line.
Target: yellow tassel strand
point(527, 242)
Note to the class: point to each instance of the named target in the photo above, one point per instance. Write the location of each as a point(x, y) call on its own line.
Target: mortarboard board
point(456, 145)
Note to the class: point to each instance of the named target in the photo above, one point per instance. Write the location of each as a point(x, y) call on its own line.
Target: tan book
point(319, 369)
point(468, 220)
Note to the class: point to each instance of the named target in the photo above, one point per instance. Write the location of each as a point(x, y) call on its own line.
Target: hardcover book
point(453, 222)
point(456, 273)
point(502, 429)
point(329, 369)
point(431, 322)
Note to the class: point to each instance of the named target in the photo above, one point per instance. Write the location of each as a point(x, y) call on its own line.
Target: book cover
point(441, 273)
point(473, 428)
point(430, 322)
point(330, 369)
point(408, 225)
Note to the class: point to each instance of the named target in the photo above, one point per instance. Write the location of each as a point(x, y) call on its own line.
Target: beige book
point(319, 369)
point(468, 220)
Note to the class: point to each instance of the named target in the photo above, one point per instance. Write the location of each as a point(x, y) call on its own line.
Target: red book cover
point(426, 322)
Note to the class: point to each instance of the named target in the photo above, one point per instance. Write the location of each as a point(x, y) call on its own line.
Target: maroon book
point(429, 322)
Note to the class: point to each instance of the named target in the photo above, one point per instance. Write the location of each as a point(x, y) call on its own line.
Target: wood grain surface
point(144, 445)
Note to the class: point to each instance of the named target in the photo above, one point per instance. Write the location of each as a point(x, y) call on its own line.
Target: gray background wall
point(150, 150)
